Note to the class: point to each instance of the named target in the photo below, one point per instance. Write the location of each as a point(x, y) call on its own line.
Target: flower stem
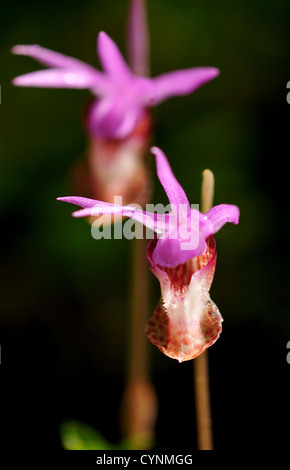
point(137, 363)
point(201, 373)
point(139, 404)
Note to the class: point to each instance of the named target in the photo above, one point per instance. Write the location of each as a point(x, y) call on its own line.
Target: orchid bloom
point(182, 256)
point(118, 120)
point(122, 97)
point(112, 167)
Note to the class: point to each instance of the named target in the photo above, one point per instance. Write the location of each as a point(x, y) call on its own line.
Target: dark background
point(65, 296)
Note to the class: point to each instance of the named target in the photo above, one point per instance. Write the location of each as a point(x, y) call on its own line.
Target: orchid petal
point(49, 58)
point(205, 225)
point(174, 191)
point(92, 207)
point(113, 117)
point(61, 78)
point(221, 214)
point(144, 90)
point(111, 57)
point(138, 38)
point(174, 250)
point(181, 82)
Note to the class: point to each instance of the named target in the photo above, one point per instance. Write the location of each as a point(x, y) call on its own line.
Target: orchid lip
point(186, 321)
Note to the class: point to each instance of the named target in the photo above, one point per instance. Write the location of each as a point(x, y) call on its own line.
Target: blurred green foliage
point(76, 435)
point(79, 436)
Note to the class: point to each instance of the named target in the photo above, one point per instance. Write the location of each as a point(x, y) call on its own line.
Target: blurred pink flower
point(118, 119)
point(122, 97)
point(116, 167)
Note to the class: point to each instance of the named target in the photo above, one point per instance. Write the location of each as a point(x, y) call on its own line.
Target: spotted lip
point(186, 321)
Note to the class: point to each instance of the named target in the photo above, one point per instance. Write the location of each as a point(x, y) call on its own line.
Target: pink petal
point(221, 214)
point(50, 58)
point(138, 38)
point(173, 189)
point(169, 252)
point(92, 207)
point(111, 58)
point(113, 117)
point(186, 321)
point(61, 78)
point(181, 82)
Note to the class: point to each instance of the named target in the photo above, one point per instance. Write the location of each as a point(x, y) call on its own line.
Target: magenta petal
point(92, 207)
point(111, 58)
point(173, 189)
point(60, 78)
point(205, 226)
point(48, 57)
point(84, 202)
point(138, 38)
point(181, 82)
point(112, 117)
point(169, 253)
point(221, 214)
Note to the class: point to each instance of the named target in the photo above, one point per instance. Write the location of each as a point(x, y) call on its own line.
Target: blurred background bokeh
point(65, 296)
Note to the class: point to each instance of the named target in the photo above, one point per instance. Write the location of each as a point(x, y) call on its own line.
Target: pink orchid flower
point(182, 256)
point(119, 119)
point(122, 97)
